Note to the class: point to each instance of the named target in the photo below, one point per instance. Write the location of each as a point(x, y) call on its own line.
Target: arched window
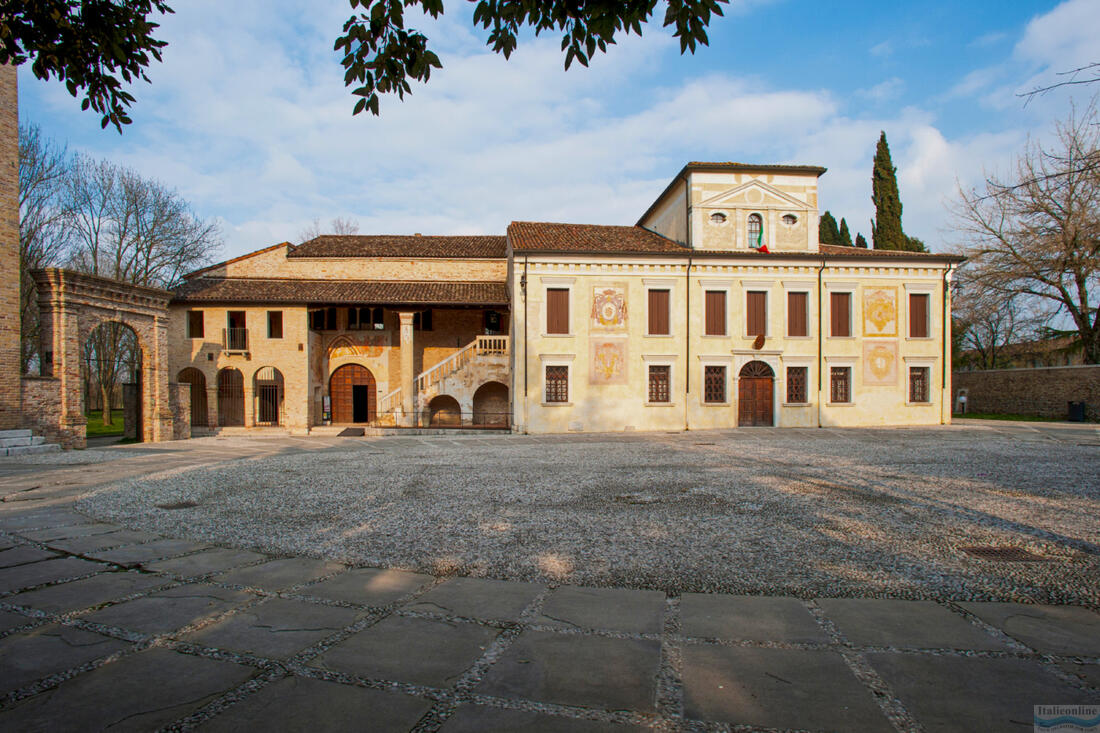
point(756, 226)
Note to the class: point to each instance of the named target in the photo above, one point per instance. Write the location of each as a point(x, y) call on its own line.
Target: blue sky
point(249, 119)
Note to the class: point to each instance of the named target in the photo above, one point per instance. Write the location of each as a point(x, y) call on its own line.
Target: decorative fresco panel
point(880, 363)
point(608, 362)
point(369, 345)
point(609, 307)
point(880, 312)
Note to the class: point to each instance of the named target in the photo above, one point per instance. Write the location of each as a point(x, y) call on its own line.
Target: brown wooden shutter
point(757, 319)
point(716, 313)
point(840, 305)
point(557, 310)
point(797, 316)
point(658, 313)
point(918, 316)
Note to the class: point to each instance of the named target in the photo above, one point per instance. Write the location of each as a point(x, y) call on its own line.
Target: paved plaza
point(105, 625)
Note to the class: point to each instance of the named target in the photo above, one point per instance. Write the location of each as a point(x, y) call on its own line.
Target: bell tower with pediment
point(739, 207)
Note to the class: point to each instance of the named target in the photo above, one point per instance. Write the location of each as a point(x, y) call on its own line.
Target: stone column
point(249, 406)
point(212, 405)
point(156, 382)
point(408, 372)
point(10, 369)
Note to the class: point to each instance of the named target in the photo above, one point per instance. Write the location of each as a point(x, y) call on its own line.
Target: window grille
point(557, 384)
point(918, 384)
point(840, 384)
point(714, 384)
point(658, 383)
point(796, 385)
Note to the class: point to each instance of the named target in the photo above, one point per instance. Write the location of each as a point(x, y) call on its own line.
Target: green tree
point(913, 244)
point(845, 237)
point(827, 231)
point(886, 231)
point(860, 241)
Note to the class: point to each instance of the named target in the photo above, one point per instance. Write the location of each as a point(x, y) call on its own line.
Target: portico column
point(408, 372)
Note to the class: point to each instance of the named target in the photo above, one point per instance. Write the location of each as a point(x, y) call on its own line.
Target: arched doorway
point(353, 394)
point(197, 380)
point(111, 371)
point(444, 411)
point(268, 389)
point(230, 397)
point(755, 394)
point(491, 404)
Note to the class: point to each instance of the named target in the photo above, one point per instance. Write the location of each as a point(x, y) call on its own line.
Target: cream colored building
point(719, 308)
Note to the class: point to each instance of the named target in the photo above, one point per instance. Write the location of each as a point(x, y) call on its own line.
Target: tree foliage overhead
point(886, 232)
point(827, 231)
point(93, 46)
point(382, 56)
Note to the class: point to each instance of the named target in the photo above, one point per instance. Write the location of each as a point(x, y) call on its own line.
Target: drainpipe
point(945, 394)
point(820, 338)
point(687, 341)
point(523, 289)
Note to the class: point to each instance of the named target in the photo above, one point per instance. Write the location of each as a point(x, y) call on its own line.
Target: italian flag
point(760, 246)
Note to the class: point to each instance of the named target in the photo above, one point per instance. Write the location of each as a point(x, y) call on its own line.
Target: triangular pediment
point(754, 194)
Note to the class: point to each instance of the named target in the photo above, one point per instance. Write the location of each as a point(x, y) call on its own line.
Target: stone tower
point(10, 384)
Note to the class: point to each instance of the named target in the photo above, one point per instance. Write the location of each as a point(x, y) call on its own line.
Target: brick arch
point(342, 388)
point(444, 411)
point(71, 306)
point(491, 405)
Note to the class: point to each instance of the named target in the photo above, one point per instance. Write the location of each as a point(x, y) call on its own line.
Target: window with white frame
point(660, 383)
point(557, 382)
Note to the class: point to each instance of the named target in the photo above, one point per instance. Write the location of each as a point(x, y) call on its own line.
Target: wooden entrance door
point(354, 398)
point(755, 391)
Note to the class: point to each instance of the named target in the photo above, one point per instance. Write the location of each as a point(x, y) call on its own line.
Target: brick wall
point(179, 398)
point(10, 384)
point(42, 408)
point(1043, 392)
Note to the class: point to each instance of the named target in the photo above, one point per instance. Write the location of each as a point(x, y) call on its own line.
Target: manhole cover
point(178, 505)
point(996, 553)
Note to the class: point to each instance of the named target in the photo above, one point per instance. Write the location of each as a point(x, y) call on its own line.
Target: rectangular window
point(716, 313)
point(274, 324)
point(323, 319)
point(557, 310)
point(658, 313)
point(918, 315)
point(557, 384)
point(756, 317)
point(796, 385)
point(658, 383)
point(236, 331)
point(714, 384)
point(798, 316)
point(422, 321)
point(195, 325)
point(493, 321)
point(840, 314)
point(840, 384)
point(918, 384)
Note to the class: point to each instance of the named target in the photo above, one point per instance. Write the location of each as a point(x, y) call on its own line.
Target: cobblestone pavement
point(106, 627)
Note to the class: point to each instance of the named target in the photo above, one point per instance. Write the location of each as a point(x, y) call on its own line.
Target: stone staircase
point(24, 443)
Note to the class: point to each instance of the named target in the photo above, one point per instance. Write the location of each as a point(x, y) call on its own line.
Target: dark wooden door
point(349, 404)
point(230, 397)
point(755, 391)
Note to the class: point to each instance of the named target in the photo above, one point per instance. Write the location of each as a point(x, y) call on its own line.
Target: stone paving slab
point(24, 554)
point(70, 531)
point(47, 571)
point(777, 688)
point(952, 693)
point(1087, 673)
point(613, 609)
point(12, 620)
point(205, 562)
point(752, 618)
point(415, 650)
point(31, 655)
point(140, 692)
point(91, 543)
point(368, 586)
point(81, 594)
point(280, 574)
point(172, 609)
point(478, 719)
point(915, 624)
point(59, 517)
point(497, 600)
point(276, 628)
point(570, 669)
point(137, 554)
point(1050, 629)
point(303, 704)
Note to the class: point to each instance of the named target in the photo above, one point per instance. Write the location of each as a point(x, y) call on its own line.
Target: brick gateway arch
point(72, 305)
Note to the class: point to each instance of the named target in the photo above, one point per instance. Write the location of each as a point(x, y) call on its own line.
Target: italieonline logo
point(1067, 718)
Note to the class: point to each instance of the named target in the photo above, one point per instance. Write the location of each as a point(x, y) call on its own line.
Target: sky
point(248, 117)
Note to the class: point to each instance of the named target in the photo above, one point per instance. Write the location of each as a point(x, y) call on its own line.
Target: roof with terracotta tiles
point(394, 245)
point(538, 236)
point(836, 250)
point(292, 291)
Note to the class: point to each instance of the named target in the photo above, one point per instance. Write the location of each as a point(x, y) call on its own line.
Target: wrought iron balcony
point(235, 339)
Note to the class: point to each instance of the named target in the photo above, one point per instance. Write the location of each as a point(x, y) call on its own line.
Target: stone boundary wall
point(179, 399)
point(1042, 391)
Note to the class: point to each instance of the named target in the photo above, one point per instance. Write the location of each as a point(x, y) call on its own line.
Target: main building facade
point(718, 308)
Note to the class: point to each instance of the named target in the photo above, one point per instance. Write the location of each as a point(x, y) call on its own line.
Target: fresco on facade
point(608, 362)
point(880, 363)
point(880, 312)
point(361, 344)
point(609, 307)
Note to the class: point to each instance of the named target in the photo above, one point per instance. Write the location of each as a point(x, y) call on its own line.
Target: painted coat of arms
point(608, 362)
point(880, 312)
point(609, 307)
point(880, 363)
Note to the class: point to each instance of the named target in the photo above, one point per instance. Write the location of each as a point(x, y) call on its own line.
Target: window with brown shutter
point(757, 317)
point(840, 384)
point(716, 313)
point(557, 310)
point(840, 314)
point(714, 384)
point(796, 385)
point(658, 313)
point(798, 314)
point(658, 383)
point(274, 324)
point(918, 315)
point(557, 384)
point(918, 384)
point(195, 325)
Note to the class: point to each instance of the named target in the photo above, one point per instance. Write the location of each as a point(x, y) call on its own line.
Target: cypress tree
point(886, 232)
point(827, 232)
point(845, 235)
point(915, 245)
point(860, 241)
